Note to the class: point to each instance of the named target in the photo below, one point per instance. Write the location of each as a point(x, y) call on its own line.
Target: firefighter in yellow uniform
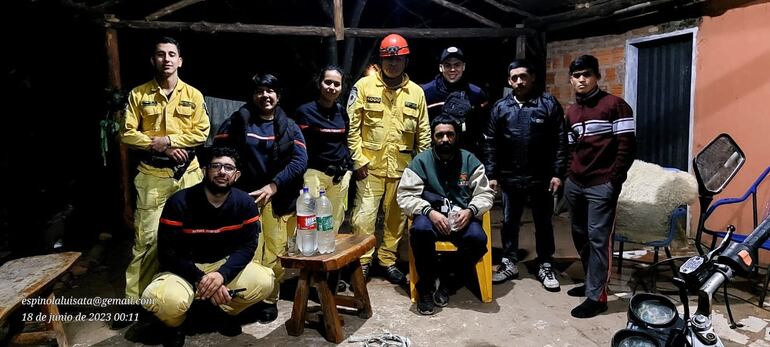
point(388, 125)
point(165, 119)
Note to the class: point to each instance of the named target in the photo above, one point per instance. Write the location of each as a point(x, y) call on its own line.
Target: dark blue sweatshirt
point(192, 231)
point(263, 161)
point(326, 133)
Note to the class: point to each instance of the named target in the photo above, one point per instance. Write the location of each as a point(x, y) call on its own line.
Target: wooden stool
point(348, 250)
point(32, 277)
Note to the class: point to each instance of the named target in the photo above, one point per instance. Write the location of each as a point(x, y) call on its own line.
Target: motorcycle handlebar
point(740, 256)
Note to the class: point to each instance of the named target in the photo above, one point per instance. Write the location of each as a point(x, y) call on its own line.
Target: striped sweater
point(602, 140)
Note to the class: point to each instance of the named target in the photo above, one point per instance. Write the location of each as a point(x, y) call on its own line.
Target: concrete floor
point(522, 313)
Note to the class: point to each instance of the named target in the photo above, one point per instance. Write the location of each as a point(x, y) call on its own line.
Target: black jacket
point(527, 145)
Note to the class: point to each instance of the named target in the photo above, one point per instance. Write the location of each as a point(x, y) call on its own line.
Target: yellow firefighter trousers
point(369, 193)
point(272, 243)
point(152, 193)
point(337, 193)
point(169, 296)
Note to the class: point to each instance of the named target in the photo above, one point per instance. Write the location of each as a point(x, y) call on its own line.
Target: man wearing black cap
point(452, 66)
point(603, 146)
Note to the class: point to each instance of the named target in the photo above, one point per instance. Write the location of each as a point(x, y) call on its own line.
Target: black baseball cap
point(450, 52)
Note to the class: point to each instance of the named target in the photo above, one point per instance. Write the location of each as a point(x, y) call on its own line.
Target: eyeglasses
point(219, 166)
point(585, 74)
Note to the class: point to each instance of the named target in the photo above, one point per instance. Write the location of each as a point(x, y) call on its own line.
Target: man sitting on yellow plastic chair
point(446, 192)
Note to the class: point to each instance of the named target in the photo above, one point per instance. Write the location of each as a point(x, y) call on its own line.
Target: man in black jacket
point(206, 240)
point(529, 128)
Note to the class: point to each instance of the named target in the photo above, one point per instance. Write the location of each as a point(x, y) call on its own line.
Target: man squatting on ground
point(207, 238)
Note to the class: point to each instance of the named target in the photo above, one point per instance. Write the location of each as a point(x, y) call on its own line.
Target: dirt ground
point(521, 314)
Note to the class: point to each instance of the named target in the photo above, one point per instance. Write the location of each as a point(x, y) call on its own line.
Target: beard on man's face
point(217, 188)
point(445, 147)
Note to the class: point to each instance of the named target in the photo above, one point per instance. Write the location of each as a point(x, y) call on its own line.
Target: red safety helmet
point(393, 45)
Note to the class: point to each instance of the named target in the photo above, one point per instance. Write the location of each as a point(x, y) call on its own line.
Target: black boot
point(230, 325)
point(173, 337)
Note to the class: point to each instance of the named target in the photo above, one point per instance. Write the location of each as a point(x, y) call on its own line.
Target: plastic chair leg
point(484, 267)
point(413, 277)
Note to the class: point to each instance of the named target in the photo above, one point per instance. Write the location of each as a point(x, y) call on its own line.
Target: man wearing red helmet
point(388, 125)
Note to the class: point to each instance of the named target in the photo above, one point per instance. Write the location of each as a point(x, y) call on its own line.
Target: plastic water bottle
point(306, 225)
point(325, 223)
point(453, 215)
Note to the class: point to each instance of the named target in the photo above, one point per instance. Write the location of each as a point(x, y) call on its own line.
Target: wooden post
point(521, 44)
point(113, 72)
point(339, 24)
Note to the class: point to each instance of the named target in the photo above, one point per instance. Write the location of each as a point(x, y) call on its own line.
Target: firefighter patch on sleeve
point(352, 97)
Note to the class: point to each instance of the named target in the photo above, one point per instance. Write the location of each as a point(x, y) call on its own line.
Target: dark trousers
point(541, 203)
point(471, 245)
point(592, 212)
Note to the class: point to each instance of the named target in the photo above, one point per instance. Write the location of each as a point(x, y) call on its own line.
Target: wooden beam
point(339, 24)
point(171, 8)
point(466, 12)
point(509, 9)
point(322, 31)
point(601, 10)
point(429, 33)
point(225, 27)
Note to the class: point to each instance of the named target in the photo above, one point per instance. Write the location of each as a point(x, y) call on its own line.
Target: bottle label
point(325, 223)
point(306, 222)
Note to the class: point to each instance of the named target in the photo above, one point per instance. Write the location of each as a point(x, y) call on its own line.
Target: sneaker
point(578, 291)
point(395, 275)
point(365, 269)
point(505, 272)
point(548, 278)
point(425, 304)
point(441, 296)
point(589, 308)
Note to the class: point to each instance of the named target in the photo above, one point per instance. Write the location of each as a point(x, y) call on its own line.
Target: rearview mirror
point(717, 164)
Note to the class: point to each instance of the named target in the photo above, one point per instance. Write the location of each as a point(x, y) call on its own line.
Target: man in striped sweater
point(602, 145)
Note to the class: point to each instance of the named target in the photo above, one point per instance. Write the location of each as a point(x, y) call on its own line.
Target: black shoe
point(441, 296)
point(578, 291)
point(395, 275)
point(230, 326)
point(425, 304)
point(266, 313)
point(342, 286)
point(173, 337)
point(365, 269)
point(505, 272)
point(588, 309)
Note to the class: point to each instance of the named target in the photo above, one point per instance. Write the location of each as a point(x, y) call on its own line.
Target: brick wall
point(609, 49)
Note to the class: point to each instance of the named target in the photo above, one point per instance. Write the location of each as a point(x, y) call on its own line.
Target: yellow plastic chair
point(483, 267)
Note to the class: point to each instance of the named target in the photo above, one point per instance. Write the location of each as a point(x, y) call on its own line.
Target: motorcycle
point(653, 320)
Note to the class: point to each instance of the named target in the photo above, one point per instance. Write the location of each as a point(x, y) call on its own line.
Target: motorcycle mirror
point(717, 164)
